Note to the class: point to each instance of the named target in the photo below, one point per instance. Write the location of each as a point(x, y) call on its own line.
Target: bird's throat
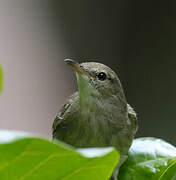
point(87, 93)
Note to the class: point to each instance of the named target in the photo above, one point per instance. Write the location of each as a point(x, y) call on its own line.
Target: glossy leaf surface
point(148, 159)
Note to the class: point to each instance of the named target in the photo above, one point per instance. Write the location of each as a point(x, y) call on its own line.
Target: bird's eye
point(102, 76)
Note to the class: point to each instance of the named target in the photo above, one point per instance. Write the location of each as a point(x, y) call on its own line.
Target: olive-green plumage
point(97, 115)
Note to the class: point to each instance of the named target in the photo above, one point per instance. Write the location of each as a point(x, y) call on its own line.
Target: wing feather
point(133, 118)
point(65, 114)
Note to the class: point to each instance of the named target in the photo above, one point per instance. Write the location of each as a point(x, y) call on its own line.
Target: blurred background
point(135, 38)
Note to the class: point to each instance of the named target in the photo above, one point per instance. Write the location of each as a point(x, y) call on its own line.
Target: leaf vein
point(43, 162)
point(16, 157)
point(162, 174)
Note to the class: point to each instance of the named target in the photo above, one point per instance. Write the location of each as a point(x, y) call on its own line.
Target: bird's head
point(96, 80)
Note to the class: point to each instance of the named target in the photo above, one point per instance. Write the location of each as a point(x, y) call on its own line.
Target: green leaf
point(23, 157)
point(1, 77)
point(149, 158)
point(167, 172)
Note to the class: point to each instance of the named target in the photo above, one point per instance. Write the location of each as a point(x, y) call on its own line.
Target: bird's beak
point(78, 68)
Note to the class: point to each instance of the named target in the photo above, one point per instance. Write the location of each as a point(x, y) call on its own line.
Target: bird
point(97, 114)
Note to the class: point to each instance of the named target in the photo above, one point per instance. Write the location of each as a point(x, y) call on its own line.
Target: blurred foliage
point(1, 77)
point(25, 157)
